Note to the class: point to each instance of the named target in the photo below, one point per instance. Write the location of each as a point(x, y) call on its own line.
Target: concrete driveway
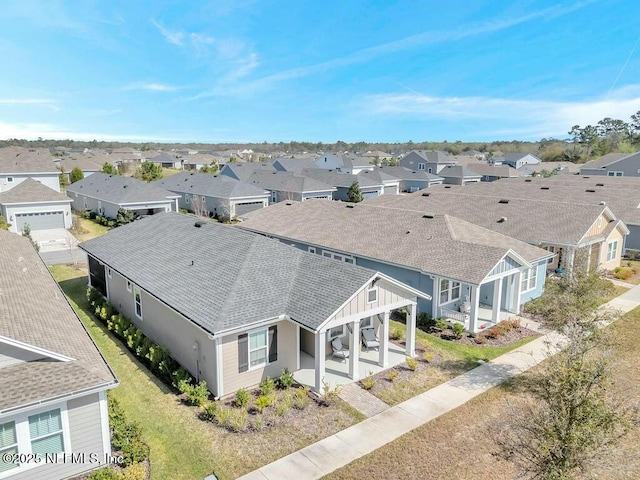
point(58, 246)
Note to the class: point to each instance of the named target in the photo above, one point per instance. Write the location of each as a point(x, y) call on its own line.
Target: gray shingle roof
point(26, 160)
point(254, 279)
point(85, 161)
point(441, 245)
point(504, 171)
point(32, 191)
point(431, 156)
point(217, 186)
point(338, 179)
point(295, 164)
point(34, 311)
point(243, 170)
point(457, 172)
point(119, 190)
point(408, 174)
point(605, 160)
point(287, 182)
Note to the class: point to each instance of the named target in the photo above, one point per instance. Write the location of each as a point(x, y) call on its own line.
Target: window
point(372, 295)
point(99, 207)
point(137, 298)
point(274, 197)
point(349, 260)
point(529, 279)
point(108, 272)
point(187, 198)
point(312, 249)
point(366, 322)
point(336, 332)
point(612, 250)
point(204, 199)
point(9, 179)
point(128, 286)
point(45, 431)
point(421, 166)
point(413, 189)
point(338, 256)
point(8, 444)
point(449, 291)
point(551, 249)
point(258, 348)
point(84, 201)
point(615, 174)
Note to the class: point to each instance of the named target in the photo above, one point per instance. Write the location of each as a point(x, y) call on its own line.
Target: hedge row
point(155, 356)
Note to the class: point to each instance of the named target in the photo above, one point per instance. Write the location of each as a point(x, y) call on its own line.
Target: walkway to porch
point(337, 372)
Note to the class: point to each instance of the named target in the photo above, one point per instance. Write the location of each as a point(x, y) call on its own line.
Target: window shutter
point(273, 344)
point(243, 352)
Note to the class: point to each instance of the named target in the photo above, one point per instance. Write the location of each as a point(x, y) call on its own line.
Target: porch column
point(321, 339)
point(475, 307)
point(354, 360)
point(383, 335)
point(516, 292)
point(570, 259)
point(589, 258)
point(435, 298)
point(219, 380)
point(410, 349)
point(297, 347)
point(497, 300)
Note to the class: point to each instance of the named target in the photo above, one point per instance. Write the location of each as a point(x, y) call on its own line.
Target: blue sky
point(253, 71)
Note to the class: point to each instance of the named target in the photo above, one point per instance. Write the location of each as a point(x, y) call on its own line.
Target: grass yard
point(88, 229)
point(452, 359)
point(183, 446)
point(635, 267)
point(167, 172)
point(458, 446)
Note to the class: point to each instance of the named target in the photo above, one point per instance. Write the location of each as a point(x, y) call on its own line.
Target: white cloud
point(153, 87)
point(173, 37)
point(44, 102)
point(31, 131)
point(533, 118)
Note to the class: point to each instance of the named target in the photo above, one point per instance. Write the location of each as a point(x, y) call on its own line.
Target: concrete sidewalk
point(333, 452)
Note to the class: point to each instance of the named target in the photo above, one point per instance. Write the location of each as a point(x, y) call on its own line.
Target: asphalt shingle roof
point(457, 172)
point(34, 311)
point(32, 191)
point(339, 179)
point(256, 278)
point(287, 182)
point(119, 190)
point(26, 160)
point(218, 186)
point(605, 160)
point(403, 173)
point(440, 244)
point(243, 170)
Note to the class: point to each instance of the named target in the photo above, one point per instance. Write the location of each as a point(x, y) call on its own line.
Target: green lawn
point(167, 172)
point(88, 229)
point(181, 445)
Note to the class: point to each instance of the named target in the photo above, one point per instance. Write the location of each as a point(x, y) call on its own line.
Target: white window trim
point(312, 249)
point(339, 256)
point(450, 298)
point(615, 173)
point(9, 179)
point(186, 199)
point(414, 189)
point(108, 272)
point(527, 276)
point(331, 336)
point(24, 436)
point(366, 322)
point(430, 170)
point(612, 250)
point(274, 197)
point(266, 359)
point(135, 302)
point(421, 166)
point(373, 289)
point(129, 286)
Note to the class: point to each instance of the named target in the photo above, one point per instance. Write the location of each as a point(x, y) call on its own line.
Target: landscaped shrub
point(329, 395)
point(623, 273)
point(392, 375)
point(126, 436)
point(264, 401)
point(268, 386)
point(242, 398)
point(395, 332)
point(301, 398)
point(137, 471)
point(209, 411)
point(196, 394)
point(231, 418)
point(368, 382)
point(427, 356)
point(285, 380)
point(425, 321)
point(492, 333)
point(104, 474)
point(480, 339)
point(458, 330)
point(412, 363)
point(284, 405)
point(441, 324)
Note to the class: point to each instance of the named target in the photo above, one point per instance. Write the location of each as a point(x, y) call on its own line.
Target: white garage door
point(40, 221)
point(373, 194)
point(242, 208)
point(390, 190)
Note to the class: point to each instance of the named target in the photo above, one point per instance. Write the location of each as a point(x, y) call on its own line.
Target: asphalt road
point(65, 256)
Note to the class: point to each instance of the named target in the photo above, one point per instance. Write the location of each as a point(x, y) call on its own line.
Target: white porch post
point(297, 347)
point(383, 335)
point(570, 260)
point(589, 258)
point(410, 349)
point(321, 339)
point(435, 297)
point(497, 299)
point(354, 360)
point(475, 307)
point(516, 291)
point(219, 357)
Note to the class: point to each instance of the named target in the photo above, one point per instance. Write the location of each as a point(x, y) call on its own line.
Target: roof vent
point(502, 219)
point(447, 186)
point(426, 194)
point(198, 224)
point(527, 180)
point(503, 200)
point(586, 177)
point(124, 186)
point(408, 232)
point(288, 203)
point(590, 190)
point(350, 206)
point(544, 188)
point(599, 184)
point(428, 215)
point(603, 203)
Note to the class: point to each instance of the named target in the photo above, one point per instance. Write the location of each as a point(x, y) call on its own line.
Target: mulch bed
point(500, 341)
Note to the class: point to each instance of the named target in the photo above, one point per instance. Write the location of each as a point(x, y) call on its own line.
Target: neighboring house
point(390, 184)
point(53, 379)
point(88, 162)
point(288, 164)
point(557, 167)
point(430, 161)
point(195, 161)
point(491, 173)
point(614, 165)
point(457, 175)
point(516, 160)
point(36, 205)
point(343, 162)
point(290, 186)
point(214, 195)
point(475, 153)
point(106, 194)
point(372, 156)
point(342, 182)
point(453, 262)
point(412, 180)
point(243, 170)
point(18, 164)
point(234, 307)
point(592, 232)
point(166, 160)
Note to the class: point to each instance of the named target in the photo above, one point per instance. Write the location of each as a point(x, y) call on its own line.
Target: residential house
point(591, 232)
point(467, 273)
point(33, 204)
point(290, 186)
point(233, 319)
point(430, 161)
point(516, 160)
point(195, 161)
point(288, 164)
point(376, 155)
point(168, 160)
point(391, 184)
point(53, 379)
point(369, 187)
point(106, 194)
point(88, 162)
point(412, 180)
point(18, 164)
point(343, 162)
point(243, 170)
point(457, 175)
point(613, 165)
point(475, 153)
point(491, 173)
point(214, 195)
